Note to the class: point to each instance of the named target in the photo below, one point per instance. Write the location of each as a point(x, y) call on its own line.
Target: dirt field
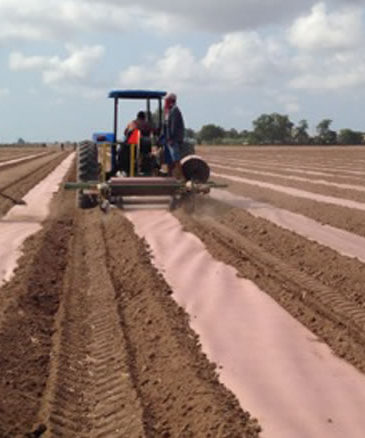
point(93, 342)
point(333, 285)
point(7, 153)
point(17, 178)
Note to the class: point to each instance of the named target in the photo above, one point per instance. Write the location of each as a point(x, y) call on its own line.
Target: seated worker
point(141, 123)
point(145, 128)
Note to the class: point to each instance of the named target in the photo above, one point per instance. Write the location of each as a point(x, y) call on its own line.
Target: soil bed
point(16, 181)
point(92, 344)
point(312, 282)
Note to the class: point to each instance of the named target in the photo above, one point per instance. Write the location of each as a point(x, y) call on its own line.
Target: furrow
point(324, 298)
point(20, 186)
point(93, 394)
point(334, 317)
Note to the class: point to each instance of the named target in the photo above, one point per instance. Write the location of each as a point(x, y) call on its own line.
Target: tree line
point(278, 129)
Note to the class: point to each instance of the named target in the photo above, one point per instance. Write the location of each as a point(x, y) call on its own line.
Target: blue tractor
point(128, 171)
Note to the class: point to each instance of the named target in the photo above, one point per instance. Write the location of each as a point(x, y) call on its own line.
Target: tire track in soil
point(178, 386)
point(92, 394)
point(324, 310)
point(18, 188)
point(339, 272)
point(123, 365)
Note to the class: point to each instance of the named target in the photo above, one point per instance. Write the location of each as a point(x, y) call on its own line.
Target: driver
point(143, 139)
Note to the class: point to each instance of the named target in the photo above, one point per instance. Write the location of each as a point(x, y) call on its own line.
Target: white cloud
point(289, 102)
point(292, 107)
point(325, 55)
point(60, 19)
point(332, 72)
point(242, 58)
point(329, 45)
point(220, 16)
point(320, 50)
point(75, 66)
point(4, 92)
point(18, 62)
point(328, 30)
point(238, 59)
point(22, 31)
point(174, 69)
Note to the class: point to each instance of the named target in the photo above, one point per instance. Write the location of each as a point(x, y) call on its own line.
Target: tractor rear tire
point(87, 170)
point(194, 168)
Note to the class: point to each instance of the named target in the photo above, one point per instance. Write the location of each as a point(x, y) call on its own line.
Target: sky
point(228, 62)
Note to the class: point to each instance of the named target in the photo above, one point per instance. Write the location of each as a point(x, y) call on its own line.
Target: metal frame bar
point(115, 128)
point(115, 119)
point(148, 108)
point(159, 116)
point(114, 145)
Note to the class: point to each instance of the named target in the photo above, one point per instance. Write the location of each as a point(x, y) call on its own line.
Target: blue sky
point(228, 62)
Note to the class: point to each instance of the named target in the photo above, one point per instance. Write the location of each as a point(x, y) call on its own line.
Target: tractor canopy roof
point(137, 94)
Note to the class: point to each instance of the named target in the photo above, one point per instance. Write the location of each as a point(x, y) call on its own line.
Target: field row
point(161, 324)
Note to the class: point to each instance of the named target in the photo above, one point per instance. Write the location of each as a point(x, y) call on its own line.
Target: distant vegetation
point(268, 129)
point(277, 129)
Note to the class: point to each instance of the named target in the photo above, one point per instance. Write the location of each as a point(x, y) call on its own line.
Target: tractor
point(129, 171)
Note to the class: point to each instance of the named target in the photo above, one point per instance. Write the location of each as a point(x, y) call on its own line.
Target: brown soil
point(339, 160)
point(322, 289)
point(317, 286)
point(93, 345)
point(7, 154)
point(332, 177)
point(347, 155)
point(174, 378)
point(307, 186)
point(341, 217)
point(17, 180)
point(31, 301)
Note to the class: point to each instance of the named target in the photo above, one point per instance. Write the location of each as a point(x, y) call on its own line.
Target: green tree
point(325, 134)
point(300, 134)
point(347, 136)
point(244, 133)
point(323, 126)
point(211, 132)
point(233, 133)
point(190, 133)
point(273, 129)
point(252, 138)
